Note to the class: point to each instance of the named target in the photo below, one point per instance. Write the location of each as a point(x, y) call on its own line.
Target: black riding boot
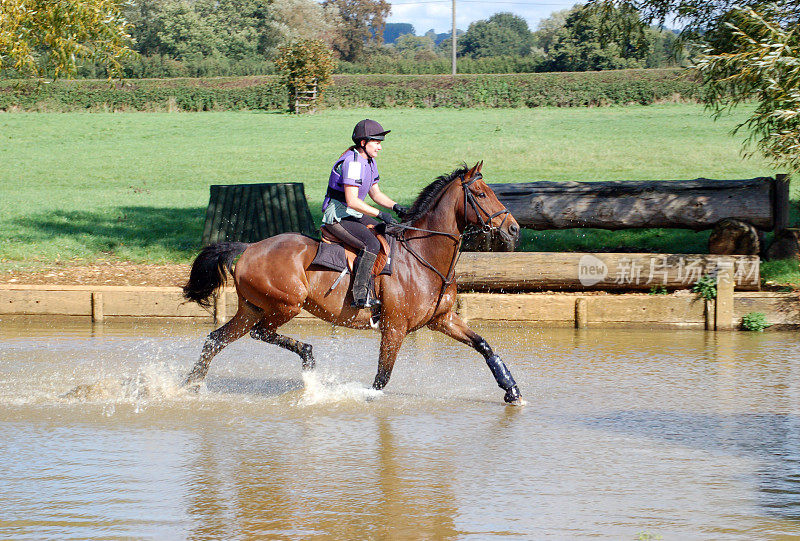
point(361, 280)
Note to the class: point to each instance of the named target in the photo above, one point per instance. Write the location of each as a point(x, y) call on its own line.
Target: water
point(627, 434)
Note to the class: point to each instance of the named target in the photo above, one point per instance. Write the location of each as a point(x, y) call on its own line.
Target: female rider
point(345, 212)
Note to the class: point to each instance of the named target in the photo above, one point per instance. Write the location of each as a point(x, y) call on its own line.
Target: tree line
point(241, 37)
point(569, 40)
point(201, 38)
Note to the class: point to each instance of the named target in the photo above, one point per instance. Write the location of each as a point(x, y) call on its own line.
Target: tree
point(242, 28)
point(503, 34)
point(363, 23)
point(703, 19)
point(591, 40)
point(549, 29)
point(665, 48)
point(392, 31)
point(305, 19)
point(174, 29)
point(181, 29)
point(49, 38)
point(439, 38)
point(414, 44)
point(764, 66)
point(304, 62)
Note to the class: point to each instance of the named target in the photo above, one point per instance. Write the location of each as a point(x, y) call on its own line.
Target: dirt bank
point(108, 274)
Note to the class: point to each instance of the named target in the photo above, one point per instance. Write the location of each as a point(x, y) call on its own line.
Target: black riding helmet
point(368, 129)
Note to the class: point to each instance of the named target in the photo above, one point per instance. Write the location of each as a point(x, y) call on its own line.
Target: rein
point(486, 226)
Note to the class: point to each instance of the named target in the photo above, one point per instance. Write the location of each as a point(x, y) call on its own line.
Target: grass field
point(134, 186)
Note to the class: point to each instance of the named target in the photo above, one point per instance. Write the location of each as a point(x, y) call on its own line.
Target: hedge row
point(265, 92)
point(442, 65)
point(244, 93)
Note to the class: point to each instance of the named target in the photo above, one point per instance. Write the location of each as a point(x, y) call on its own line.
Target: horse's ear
point(479, 166)
point(474, 171)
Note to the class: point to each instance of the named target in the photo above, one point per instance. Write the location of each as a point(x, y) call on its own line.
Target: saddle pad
point(336, 257)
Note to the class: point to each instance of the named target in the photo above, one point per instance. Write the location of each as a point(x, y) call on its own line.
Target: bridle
point(469, 197)
point(486, 226)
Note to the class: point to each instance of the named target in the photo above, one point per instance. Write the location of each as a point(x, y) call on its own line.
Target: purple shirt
point(352, 170)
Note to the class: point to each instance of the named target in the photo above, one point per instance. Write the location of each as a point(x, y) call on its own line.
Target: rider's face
point(372, 147)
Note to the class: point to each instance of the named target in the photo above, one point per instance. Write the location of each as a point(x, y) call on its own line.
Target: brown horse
point(275, 279)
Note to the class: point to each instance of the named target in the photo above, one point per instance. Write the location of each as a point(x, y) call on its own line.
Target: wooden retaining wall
point(570, 271)
point(682, 309)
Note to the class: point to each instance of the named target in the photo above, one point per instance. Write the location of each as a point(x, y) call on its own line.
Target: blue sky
point(436, 14)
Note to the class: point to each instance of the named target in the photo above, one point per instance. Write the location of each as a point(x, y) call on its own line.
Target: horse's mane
point(430, 194)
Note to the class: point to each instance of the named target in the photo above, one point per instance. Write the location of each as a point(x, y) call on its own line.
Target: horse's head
point(484, 210)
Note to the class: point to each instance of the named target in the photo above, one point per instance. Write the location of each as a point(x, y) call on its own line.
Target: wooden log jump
point(737, 210)
point(687, 204)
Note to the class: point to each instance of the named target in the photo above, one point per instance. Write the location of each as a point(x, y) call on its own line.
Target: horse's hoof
point(514, 397)
point(192, 386)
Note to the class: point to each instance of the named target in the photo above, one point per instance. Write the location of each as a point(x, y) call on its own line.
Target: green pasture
point(134, 186)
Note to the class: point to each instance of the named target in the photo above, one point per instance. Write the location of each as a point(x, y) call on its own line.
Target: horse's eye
point(481, 194)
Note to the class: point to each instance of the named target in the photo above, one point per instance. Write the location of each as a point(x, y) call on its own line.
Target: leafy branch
point(762, 64)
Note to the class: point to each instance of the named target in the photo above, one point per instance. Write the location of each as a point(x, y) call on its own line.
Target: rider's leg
point(361, 280)
point(354, 231)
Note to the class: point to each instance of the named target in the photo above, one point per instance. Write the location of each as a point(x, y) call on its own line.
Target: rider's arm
point(381, 198)
point(352, 200)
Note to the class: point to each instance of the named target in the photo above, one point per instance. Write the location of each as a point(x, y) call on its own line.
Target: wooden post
point(581, 313)
point(97, 306)
point(780, 202)
point(710, 315)
point(723, 320)
point(454, 38)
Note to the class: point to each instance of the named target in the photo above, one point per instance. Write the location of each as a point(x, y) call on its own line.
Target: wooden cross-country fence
point(252, 212)
point(738, 211)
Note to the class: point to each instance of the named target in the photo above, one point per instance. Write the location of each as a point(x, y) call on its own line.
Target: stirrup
point(368, 302)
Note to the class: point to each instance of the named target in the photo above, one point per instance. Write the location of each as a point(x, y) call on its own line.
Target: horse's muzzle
point(506, 241)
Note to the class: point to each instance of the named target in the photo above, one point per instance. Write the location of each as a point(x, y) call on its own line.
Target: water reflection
point(357, 486)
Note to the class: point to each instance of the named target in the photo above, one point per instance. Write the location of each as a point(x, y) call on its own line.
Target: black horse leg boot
point(361, 279)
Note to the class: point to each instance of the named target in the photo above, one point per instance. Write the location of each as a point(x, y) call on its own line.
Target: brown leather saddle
point(334, 254)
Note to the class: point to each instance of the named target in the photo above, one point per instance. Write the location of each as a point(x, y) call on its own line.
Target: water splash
point(325, 389)
point(151, 383)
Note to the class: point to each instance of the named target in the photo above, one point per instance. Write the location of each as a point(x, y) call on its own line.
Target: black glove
point(386, 217)
point(400, 210)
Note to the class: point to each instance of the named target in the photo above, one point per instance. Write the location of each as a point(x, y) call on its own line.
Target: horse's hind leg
point(243, 321)
point(264, 331)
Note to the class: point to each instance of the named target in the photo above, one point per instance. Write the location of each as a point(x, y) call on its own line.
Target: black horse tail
point(209, 271)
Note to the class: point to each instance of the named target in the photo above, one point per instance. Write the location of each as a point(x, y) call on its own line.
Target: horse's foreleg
point(454, 327)
point(263, 332)
point(234, 329)
point(391, 340)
